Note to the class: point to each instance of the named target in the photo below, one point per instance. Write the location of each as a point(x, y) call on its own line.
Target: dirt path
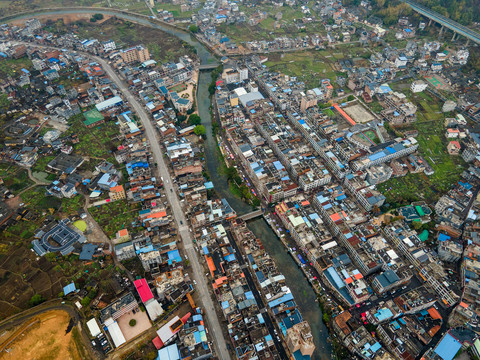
point(34, 179)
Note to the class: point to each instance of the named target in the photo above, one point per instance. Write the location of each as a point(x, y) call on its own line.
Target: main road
point(183, 229)
point(162, 172)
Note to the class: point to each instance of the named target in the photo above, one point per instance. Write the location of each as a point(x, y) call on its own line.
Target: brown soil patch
point(382, 219)
point(46, 340)
point(67, 18)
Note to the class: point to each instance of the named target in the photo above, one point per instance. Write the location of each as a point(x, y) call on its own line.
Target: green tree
point(50, 256)
point(36, 300)
point(245, 191)
point(326, 318)
point(199, 130)
point(417, 225)
point(350, 98)
point(212, 88)
point(230, 173)
point(4, 102)
point(215, 128)
point(132, 322)
point(96, 17)
point(193, 28)
point(85, 301)
point(194, 119)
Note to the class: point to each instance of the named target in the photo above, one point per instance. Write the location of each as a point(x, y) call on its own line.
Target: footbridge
point(208, 66)
point(251, 215)
point(445, 22)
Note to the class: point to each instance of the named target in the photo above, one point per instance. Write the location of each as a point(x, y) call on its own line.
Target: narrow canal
point(301, 289)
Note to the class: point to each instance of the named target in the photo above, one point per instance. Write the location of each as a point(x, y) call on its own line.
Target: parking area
point(101, 344)
point(142, 323)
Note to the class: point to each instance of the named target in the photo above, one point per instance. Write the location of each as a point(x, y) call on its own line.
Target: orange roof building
point(434, 314)
point(117, 193)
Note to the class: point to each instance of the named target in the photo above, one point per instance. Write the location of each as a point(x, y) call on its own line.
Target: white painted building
point(109, 45)
point(418, 86)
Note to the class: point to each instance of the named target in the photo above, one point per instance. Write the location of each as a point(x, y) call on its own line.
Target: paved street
point(162, 171)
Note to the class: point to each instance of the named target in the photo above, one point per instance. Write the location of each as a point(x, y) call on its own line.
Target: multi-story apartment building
point(137, 53)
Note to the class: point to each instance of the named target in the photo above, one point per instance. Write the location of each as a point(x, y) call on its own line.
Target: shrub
point(96, 17)
point(36, 300)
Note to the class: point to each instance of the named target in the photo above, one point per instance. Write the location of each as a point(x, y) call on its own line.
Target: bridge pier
point(453, 37)
point(430, 22)
point(441, 30)
point(468, 42)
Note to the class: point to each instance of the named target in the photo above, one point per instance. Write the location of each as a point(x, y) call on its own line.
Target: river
point(301, 289)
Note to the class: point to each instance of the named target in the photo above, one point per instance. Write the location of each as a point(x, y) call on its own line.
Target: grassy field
point(132, 5)
point(42, 162)
point(429, 108)
point(433, 147)
point(308, 66)
point(96, 142)
point(13, 67)
point(115, 216)
point(8, 7)
point(15, 178)
point(265, 30)
point(329, 113)
point(174, 9)
point(241, 33)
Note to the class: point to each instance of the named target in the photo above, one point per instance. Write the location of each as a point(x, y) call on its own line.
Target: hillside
point(463, 11)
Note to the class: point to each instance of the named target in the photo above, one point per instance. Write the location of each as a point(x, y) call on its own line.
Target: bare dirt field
point(129, 332)
point(67, 18)
point(45, 340)
point(359, 113)
point(384, 218)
